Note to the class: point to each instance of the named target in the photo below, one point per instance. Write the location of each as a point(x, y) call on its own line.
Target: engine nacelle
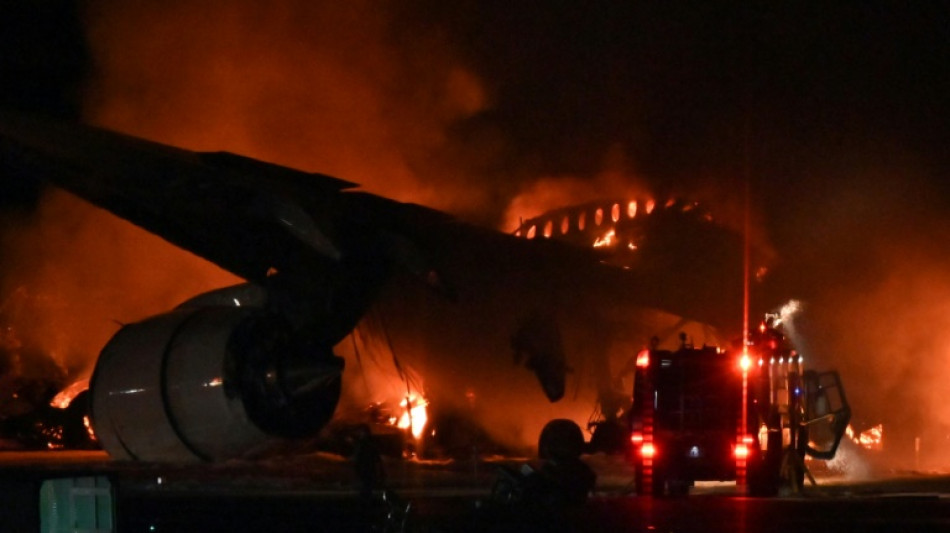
point(210, 383)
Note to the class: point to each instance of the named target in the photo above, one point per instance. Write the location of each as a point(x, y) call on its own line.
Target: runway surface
point(317, 492)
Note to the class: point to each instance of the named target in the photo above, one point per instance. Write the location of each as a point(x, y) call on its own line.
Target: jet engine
point(210, 383)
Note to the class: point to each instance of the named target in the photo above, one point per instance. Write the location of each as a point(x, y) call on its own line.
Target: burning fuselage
point(531, 328)
point(510, 331)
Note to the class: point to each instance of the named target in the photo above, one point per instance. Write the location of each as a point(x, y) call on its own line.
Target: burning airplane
point(506, 330)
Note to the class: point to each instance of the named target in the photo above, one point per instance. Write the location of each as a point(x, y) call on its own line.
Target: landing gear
point(677, 485)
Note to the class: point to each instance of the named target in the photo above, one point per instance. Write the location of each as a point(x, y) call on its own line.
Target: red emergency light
point(648, 450)
point(742, 451)
point(745, 362)
point(742, 448)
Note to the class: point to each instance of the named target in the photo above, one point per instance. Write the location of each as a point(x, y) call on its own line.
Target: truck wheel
point(678, 488)
point(658, 490)
point(801, 450)
point(761, 481)
point(799, 478)
point(764, 472)
point(641, 490)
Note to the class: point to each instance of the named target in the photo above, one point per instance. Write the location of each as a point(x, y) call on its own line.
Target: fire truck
point(750, 414)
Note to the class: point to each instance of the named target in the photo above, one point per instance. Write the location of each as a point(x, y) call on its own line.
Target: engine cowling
point(210, 383)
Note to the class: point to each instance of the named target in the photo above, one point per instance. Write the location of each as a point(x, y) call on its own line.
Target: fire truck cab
point(750, 414)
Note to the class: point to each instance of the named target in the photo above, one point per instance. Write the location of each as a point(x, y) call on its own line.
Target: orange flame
point(66, 396)
point(87, 423)
point(869, 439)
point(606, 240)
point(414, 416)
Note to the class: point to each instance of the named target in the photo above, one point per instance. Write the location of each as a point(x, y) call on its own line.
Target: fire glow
point(606, 240)
point(66, 396)
point(414, 416)
point(869, 439)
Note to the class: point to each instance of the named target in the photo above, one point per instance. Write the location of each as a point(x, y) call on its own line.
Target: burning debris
point(62, 423)
point(414, 416)
point(37, 409)
point(410, 418)
point(67, 395)
point(607, 240)
point(871, 439)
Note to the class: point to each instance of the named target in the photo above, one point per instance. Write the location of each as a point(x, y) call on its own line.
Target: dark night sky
point(836, 112)
point(690, 91)
point(43, 59)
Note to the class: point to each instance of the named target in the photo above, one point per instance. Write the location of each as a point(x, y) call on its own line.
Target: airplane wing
point(268, 224)
point(247, 216)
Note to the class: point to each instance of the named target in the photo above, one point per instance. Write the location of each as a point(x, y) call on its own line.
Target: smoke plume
point(313, 85)
point(876, 285)
point(74, 274)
